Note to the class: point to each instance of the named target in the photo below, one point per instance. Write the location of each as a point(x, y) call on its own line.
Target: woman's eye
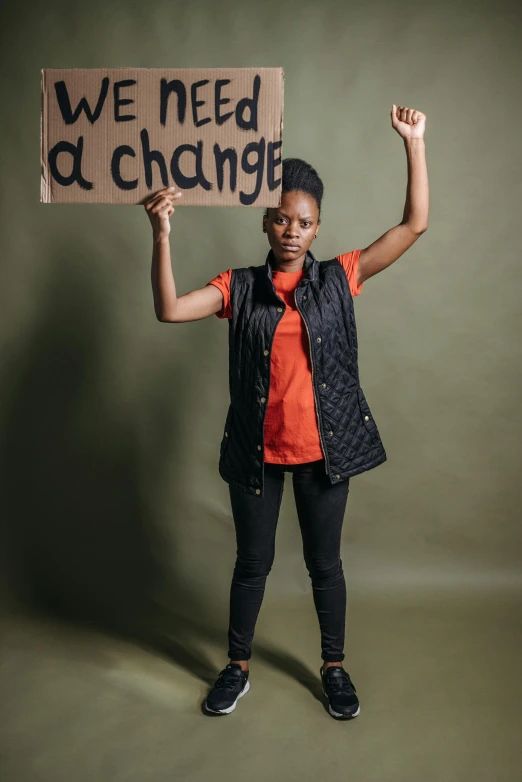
point(307, 224)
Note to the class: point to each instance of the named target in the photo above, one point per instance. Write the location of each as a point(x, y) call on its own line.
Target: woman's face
point(292, 226)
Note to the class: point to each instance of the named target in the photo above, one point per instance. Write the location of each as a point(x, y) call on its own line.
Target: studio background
point(117, 535)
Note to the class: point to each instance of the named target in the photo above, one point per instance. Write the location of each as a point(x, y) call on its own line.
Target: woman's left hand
point(409, 123)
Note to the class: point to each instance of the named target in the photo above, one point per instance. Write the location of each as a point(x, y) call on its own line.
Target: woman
point(296, 401)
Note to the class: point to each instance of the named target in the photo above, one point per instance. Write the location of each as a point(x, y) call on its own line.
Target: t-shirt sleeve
point(222, 281)
point(350, 263)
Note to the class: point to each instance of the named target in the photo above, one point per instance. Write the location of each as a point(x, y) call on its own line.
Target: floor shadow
point(293, 667)
point(80, 535)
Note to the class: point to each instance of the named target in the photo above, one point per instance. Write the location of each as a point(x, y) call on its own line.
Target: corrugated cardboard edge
point(45, 188)
point(282, 138)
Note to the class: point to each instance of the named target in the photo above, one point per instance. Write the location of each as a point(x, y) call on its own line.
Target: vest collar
point(309, 266)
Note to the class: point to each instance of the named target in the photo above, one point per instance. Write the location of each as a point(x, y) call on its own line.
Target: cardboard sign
point(117, 135)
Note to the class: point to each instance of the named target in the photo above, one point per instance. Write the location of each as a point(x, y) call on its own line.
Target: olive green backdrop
point(117, 537)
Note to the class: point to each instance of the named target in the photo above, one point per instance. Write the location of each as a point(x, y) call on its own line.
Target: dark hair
point(299, 175)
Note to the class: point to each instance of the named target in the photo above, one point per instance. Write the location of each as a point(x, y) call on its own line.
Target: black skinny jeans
point(320, 508)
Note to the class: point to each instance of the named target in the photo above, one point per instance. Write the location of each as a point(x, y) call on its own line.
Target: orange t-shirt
point(291, 433)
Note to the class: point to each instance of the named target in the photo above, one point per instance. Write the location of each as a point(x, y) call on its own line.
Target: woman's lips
point(290, 247)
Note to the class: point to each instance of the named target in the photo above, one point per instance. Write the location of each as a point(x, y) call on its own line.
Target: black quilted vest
point(349, 436)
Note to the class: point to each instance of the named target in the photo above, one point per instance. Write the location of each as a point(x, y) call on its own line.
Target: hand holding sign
point(159, 208)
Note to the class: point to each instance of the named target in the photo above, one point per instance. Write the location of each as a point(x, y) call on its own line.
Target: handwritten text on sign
point(116, 135)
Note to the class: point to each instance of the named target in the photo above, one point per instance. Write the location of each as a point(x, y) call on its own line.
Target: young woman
point(296, 405)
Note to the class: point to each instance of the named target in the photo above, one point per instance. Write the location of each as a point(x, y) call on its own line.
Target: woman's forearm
point(417, 192)
point(162, 278)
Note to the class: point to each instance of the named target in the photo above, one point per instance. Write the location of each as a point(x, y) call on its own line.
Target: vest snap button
point(265, 352)
point(263, 399)
point(226, 434)
point(279, 309)
point(330, 433)
point(318, 339)
point(323, 385)
point(304, 297)
point(258, 447)
point(338, 476)
point(258, 491)
point(366, 417)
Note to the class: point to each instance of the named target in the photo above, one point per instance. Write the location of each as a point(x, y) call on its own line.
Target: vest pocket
point(366, 416)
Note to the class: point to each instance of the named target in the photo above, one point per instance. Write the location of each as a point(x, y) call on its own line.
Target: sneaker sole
point(230, 708)
point(338, 714)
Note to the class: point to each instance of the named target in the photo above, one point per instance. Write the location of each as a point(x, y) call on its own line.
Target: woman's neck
point(288, 266)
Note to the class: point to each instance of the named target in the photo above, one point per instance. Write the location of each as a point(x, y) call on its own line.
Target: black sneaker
point(230, 685)
point(340, 691)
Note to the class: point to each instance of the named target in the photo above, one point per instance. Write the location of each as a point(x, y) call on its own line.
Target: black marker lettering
point(195, 103)
point(150, 156)
point(219, 101)
point(249, 103)
point(188, 182)
point(166, 88)
point(76, 174)
point(253, 168)
point(117, 155)
point(64, 104)
point(220, 157)
point(122, 101)
point(273, 184)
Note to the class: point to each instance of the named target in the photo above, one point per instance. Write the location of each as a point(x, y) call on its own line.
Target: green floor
point(439, 681)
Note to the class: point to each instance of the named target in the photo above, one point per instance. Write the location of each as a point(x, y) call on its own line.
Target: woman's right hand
point(159, 208)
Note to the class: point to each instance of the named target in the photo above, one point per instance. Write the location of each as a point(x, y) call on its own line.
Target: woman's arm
point(168, 306)
point(410, 125)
